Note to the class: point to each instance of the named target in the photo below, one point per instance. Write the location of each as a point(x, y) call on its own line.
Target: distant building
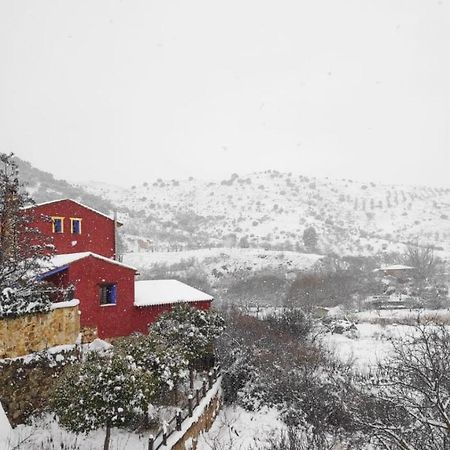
point(112, 304)
point(398, 271)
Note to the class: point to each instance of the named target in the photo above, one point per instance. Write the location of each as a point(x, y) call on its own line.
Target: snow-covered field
point(224, 261)
point(366, 347)
point(399, 315)
point(371, 343)
point(238, 429)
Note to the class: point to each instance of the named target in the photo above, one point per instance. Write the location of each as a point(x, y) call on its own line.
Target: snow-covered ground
point(45, 433)
point(371, 343)
point(238, 429)
point(5, 429)
point(366, 347)
point(399, 315)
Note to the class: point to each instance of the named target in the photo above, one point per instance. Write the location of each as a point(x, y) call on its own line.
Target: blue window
point(75, 226)
point(108, 294)
point(58, 224)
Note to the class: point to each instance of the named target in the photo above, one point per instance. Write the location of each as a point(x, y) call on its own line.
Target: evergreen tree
point(166, 363)
point(104, 391)
point(23, 249)
point(310, 238)
point(190, 331)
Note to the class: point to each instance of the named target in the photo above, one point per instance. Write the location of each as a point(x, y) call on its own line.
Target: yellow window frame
point(62, 224)
point(72, 219)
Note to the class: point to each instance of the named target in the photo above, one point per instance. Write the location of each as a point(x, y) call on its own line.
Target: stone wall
point(35, 332)
point(26, 383)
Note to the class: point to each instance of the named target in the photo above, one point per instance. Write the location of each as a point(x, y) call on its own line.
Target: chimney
point(116, 256)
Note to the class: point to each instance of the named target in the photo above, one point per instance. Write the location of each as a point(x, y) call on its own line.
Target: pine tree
point(23, 249)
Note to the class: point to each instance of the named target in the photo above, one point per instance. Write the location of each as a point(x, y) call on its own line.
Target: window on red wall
point(108, 294)
point(75, 225)
point(58, 224)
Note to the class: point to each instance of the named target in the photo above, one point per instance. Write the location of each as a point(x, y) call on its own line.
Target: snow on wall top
point(68, 258)
point(159, 292)
point(66, 304)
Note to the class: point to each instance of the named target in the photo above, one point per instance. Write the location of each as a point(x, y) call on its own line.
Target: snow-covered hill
point(272, 209)
point(219, 263)
point(268, 210)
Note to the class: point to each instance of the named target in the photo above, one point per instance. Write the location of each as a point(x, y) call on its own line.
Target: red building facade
point(90, 275)
point(75, 228)
point(84, 264)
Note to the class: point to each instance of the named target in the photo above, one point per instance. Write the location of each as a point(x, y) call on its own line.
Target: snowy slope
point(216, 263)
point(272, 209)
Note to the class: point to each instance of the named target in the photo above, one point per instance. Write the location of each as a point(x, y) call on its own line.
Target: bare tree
point(407, 406)
point(424, 261)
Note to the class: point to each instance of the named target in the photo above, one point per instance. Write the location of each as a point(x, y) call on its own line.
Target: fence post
point(210, 379)
point(151, 441)
point(190, 404)
point(178, 420)
point(204, 387)
point(197, 395)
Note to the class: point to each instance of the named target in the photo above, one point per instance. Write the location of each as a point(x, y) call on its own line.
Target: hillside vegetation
point(271, 210)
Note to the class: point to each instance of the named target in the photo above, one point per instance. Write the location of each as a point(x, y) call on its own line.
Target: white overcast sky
point(128, 91)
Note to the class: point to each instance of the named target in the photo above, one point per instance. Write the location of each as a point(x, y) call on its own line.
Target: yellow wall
point(35, 332)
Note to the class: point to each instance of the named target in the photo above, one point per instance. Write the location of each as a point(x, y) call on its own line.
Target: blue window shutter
point(113, 293)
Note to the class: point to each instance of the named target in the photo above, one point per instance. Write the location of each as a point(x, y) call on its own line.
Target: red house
point(75, 228)
point(112, 303)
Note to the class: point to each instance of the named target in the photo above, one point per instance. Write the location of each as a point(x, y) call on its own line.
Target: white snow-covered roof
point(74, 201)
point(161, 292)
point(68, 258)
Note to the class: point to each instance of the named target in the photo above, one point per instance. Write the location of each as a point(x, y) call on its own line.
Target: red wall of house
point(144, 316)
point(111, 321)
point(97, 231)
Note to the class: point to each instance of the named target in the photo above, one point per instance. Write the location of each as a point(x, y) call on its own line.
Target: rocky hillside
point(267, 210)
point(271, 210)
point(44, 187)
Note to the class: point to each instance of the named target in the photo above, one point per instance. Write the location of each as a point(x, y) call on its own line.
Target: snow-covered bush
point(169, 367)
point(407, 404)
point(192, 331)
point(291, 320)
point(265, 367)
point(22, 248)
point(295, 438)
point(187, 333)
point(17, 302)
point(104, 391)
